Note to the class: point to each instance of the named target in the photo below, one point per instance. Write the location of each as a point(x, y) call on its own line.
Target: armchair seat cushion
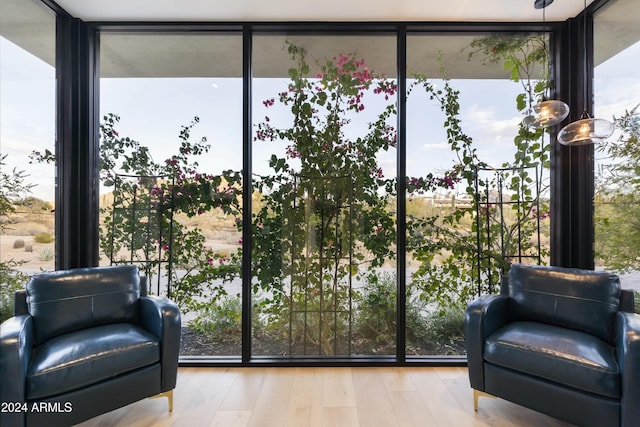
point(566, 356)
point(77, 359)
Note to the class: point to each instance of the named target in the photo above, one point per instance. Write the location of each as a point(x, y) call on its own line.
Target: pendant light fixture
point(547, 112)
point(587, 130)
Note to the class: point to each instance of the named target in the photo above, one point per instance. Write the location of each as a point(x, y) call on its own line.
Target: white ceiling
point(27, 24)
point(325, 10)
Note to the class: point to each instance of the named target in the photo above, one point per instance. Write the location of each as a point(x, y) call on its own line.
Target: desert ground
point(37, 259)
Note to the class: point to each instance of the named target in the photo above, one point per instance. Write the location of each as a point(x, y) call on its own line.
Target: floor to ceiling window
point(27, 136)
point(324, 167)
point(333, 272)
point(617, 98)
point(477, 179)
point(171, 156)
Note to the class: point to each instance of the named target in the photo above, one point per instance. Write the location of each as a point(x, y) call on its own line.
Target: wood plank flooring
point(331, 397)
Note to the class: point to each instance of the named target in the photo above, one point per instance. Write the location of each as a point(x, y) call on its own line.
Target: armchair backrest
point(583, 300)
point(70, 300)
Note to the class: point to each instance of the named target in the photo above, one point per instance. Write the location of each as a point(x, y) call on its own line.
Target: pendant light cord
point(547, 73)
point(585, 113)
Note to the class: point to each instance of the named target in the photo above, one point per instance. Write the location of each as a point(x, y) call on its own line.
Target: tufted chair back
point(71, 300)
point(586, 301)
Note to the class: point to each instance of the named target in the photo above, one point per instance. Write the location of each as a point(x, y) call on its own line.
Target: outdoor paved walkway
point(630, 280)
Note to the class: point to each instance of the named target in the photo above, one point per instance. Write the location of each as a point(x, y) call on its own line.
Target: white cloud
point(435, 146)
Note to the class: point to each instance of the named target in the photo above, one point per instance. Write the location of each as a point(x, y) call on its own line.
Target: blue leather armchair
point(84, 342)
point(564, 342)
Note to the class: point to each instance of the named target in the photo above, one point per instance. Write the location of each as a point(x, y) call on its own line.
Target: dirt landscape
point(35, 256)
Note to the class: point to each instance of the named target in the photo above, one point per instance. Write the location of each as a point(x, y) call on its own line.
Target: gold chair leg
point(476, 395)
point(168, 395)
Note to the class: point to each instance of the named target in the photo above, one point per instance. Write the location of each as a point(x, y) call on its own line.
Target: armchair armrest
point(628, 355)
point(161, 317)
point(483, 317)
point(16, 344)
point(626, 300)
point(20, 303)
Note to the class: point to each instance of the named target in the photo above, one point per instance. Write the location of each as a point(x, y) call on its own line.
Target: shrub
point(636, 298)
point(377, 315)
point(43, 238)
point(17, 244)
point(45, 254)
point(417, 323)
point(220, 320)
point(445, 330)
point(11, 280)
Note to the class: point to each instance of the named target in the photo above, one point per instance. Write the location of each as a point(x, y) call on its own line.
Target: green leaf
point(521, 101)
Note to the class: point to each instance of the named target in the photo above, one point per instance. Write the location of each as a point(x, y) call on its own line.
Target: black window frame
point(77, 125)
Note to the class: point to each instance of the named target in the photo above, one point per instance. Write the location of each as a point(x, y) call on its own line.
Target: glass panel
point(476, 178)
point(27, 141)
point(617, 98)
point(324, 163)
point(171, 138)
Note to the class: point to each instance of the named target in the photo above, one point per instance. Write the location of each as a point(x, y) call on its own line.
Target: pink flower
point(342, 60)
point(292, 153)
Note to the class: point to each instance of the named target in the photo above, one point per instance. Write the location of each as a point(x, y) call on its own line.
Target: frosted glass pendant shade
point(546, 113)
point(585, 131)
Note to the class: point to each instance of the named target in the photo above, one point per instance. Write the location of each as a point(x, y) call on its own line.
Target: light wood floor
point(332, 397)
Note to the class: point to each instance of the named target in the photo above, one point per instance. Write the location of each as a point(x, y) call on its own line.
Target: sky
point(153, 110)
point(616, 88)
point(27, 114)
